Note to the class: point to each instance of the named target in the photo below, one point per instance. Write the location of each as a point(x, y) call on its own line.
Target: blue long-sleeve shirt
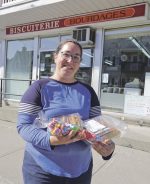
point(49, 98)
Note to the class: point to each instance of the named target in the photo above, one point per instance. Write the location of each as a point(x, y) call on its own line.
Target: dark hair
point(67, 41)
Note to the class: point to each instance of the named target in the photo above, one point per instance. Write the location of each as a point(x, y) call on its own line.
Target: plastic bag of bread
point(62, 125)
point(103, 127)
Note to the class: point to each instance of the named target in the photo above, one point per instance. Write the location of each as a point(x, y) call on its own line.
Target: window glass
point(48, 46)
point(18, 66)
point(1, 68)
point(49, 43)
point(47, 65)
point(125, 63)
point(85, 72)
point(65, 37)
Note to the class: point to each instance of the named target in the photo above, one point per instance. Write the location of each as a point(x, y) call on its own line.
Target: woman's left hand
point(104, 148)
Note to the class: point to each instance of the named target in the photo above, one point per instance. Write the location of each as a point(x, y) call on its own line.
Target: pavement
point(142, 120)
point(130, 163)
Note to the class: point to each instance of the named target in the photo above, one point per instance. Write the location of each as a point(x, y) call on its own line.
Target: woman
point(52, 159)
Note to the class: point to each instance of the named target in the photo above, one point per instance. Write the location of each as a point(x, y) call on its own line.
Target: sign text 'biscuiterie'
point(96, 17)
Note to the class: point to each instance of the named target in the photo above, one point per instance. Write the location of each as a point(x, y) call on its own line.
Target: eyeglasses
point(67, 56)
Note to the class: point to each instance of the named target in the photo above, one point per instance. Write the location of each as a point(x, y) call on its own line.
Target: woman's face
point(68, 61)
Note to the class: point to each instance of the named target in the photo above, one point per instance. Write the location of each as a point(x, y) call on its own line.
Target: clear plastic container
point(62, 125)
point(104, 127)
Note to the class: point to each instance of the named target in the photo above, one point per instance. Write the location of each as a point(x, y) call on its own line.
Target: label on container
point(93, 125)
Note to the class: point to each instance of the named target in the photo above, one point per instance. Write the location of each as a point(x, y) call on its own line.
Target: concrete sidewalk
point(129, 165)
point(11, 154)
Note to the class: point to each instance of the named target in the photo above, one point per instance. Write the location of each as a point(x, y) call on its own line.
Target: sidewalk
point(130, 118)
point(127, 166)
point(11, 154)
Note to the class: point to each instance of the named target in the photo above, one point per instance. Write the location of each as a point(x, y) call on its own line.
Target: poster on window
point(105, 78)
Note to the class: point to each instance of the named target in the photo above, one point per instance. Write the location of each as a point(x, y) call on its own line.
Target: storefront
point(126, 70)
point(22, 63)
point(116, 54)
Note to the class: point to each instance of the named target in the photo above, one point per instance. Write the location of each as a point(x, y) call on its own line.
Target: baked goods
point(95, 129)
point(103, 127)
point(62, 125)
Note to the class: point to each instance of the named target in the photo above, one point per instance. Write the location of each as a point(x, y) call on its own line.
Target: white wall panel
point(97, 63)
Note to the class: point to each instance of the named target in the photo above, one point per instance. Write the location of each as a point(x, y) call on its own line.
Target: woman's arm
point(30, 106)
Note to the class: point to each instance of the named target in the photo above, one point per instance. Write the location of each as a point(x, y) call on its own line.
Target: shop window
point(49, 43)
point(65, 37)
point(47, 47)
point(85, 72)
point(1, 68)
point(47, 66)
point(18, 66)
point(125, 63)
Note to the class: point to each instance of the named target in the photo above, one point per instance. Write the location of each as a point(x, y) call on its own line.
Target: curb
point(134, 144)
point(130, 119)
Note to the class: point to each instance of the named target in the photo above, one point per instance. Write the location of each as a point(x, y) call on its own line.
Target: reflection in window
point(1, 73)
point(85, 72)
point(47, 65)
point(65, 37)
point(49, 43)
point(18, 66)
point(125, 61)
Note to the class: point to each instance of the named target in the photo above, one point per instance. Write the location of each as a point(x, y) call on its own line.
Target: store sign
point(101, 16)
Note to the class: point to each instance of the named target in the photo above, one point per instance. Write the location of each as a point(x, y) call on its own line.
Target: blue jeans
point(33, 174)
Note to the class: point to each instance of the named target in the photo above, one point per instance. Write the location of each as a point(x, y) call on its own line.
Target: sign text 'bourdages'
point(96, 17)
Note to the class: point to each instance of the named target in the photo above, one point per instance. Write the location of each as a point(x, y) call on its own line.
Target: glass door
point(47, 66)
point(85, 71)
point(19, 63)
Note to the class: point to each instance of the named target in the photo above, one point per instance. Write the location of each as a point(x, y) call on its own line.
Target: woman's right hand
point(104, 148)
point(73, 136)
